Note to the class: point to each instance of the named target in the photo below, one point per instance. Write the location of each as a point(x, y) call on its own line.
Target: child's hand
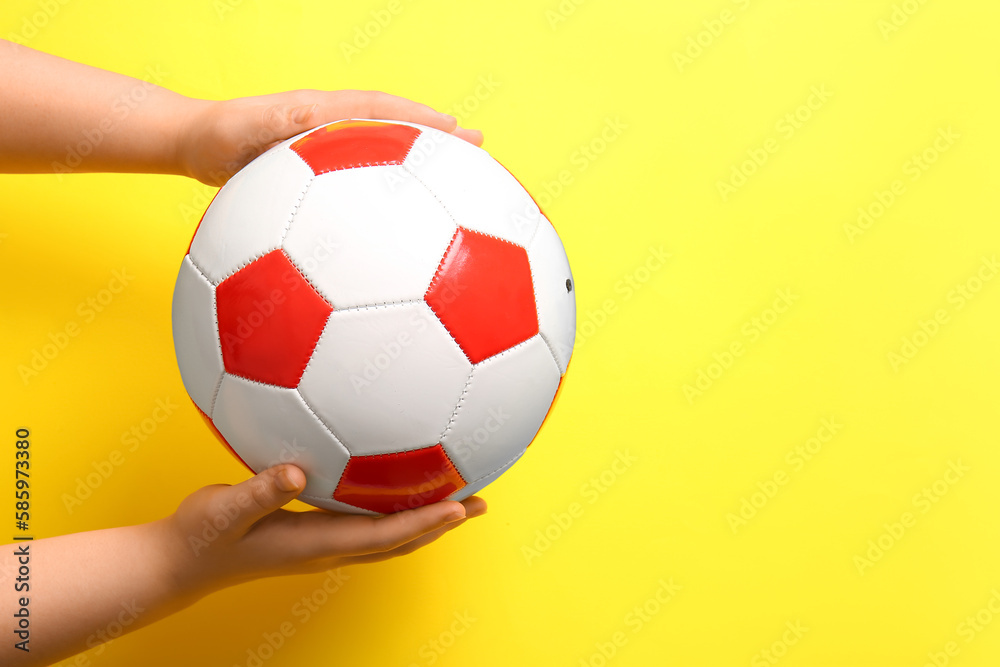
point(62, 116)
point(219, 536)
point(219, 138)
point(229, 534)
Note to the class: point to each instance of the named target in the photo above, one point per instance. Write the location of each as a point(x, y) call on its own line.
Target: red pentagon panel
point(270, 318)
point(387, 483)
point(358, 143)
point(222, 438)
point(483, 294)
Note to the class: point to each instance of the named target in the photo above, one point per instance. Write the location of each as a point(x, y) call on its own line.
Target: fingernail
point(302, 114)
point(455, 516)
point(449, 118)
point(284, 481)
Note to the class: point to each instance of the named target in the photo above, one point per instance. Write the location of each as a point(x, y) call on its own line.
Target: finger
point(383, 106)
point(474, 137)
point(402, 550)
point(474, 506)
point(322, 536)
point(242, 505)
point(282, 121)
point(378, 105)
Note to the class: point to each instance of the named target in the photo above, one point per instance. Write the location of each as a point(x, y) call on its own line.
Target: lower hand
point(253, 537)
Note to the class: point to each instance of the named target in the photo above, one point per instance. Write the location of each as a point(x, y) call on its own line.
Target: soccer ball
point(381, 304)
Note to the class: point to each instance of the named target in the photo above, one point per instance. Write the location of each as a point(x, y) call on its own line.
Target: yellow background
point(545, 80)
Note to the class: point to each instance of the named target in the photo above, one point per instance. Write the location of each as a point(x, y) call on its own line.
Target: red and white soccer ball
point(383, 305)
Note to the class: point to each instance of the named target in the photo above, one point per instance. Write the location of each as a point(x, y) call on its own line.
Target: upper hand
point(217, 139)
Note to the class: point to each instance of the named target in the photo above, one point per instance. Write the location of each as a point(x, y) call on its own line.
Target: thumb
point(248, 502)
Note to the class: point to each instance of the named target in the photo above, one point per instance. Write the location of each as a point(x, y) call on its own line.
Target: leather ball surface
point(380, 303)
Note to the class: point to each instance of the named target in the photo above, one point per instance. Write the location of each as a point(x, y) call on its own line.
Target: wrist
point(184, 560)
point(190, 122)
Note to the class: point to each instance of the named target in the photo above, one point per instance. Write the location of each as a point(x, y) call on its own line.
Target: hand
point(218, 138)
point(231, 534)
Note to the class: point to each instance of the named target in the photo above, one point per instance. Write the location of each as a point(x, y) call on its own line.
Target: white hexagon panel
point(196, 332)
point(511, 215)
point(385, 378)
point(274, 425)
point(381, 304)
point(504, 404)
point(340, 231)
point(241, 224)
